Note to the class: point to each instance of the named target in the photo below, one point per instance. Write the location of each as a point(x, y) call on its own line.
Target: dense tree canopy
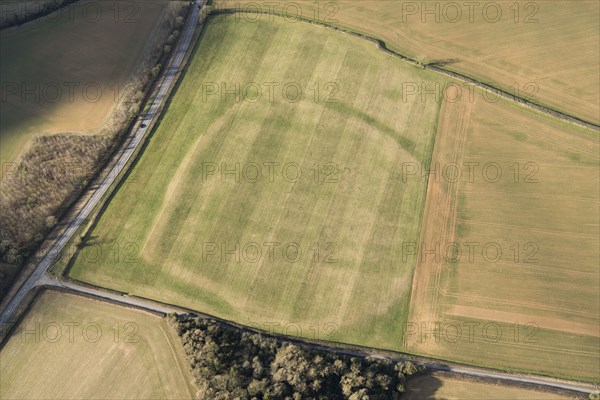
point(229, 363)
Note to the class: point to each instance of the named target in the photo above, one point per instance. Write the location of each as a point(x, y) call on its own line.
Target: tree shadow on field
point(93, 244)
point(91, 240)
point(90, 248)
point(442, 63)
point(423, 387)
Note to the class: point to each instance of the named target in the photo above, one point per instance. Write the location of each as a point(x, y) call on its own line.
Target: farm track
point(40, 277)
point(440, 207)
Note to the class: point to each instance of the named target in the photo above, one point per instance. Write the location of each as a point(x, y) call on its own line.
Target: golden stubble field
point(507, 274)
point(546, 51)
point(436, 387)
point(70, 347)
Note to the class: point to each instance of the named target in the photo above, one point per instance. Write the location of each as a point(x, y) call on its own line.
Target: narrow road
point(167, 81)
point(122, 299)
point(430, 363)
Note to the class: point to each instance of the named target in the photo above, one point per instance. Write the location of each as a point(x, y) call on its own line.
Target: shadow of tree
point(442, 63)
point(423, 387)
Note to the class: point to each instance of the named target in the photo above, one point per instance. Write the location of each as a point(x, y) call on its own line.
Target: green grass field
point(323, 254)
point(347, 213)
point(545, 51)
point(64, 73)
point(530, 286)
point(70, 347)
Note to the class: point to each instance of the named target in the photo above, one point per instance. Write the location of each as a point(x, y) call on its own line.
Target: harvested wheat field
point(434, 387)
point(507, 273)
point(544, 51)
point(70, 347)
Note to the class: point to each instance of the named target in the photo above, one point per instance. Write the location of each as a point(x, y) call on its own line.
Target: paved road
point(431, 364)
point(168, 79)
point(438, 365)
point(116, 297)
point(521, 379)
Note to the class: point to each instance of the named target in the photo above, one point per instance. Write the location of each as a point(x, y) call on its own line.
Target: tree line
point(229, 363)
point(56, 168)
point(13, 13)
